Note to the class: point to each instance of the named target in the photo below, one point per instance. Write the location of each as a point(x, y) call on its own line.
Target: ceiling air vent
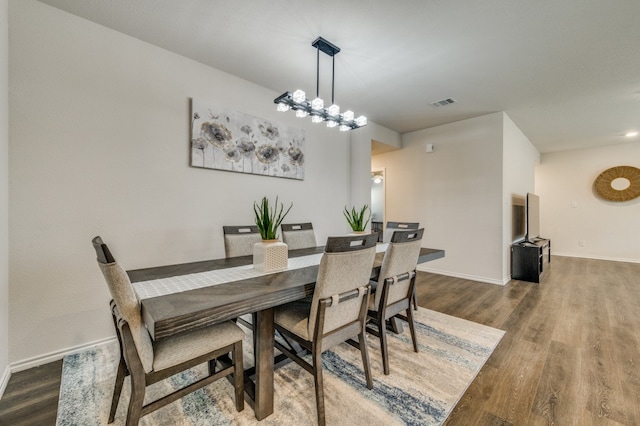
point(443, 102)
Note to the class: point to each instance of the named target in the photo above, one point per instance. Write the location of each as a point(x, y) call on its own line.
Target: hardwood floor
point(570, 355)
point(571, 350)
point(31, 396)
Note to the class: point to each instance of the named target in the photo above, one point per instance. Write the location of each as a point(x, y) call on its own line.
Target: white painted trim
point(464, 276)
point(4, 380)
point(612, 259)
point(54, 356)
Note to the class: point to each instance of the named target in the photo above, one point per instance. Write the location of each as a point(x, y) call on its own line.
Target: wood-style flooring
point(31, 396)
point(570, 355)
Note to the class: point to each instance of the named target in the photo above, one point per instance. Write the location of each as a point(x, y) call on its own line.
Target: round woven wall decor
point(604, 188)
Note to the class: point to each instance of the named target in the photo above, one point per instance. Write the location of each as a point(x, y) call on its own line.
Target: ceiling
point(566, 72)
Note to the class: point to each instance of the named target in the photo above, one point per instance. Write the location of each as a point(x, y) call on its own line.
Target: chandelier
point(298, 102)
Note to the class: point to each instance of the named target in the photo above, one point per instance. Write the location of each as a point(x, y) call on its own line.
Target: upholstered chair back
point(126, 301)
point(392, 227)
point(401, 256)
point(346, 265)
point(239, 240)
point(298, 235)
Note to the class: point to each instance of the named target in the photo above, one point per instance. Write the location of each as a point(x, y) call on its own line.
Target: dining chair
point(298, 235)
point(239, 240)
point(398, 226)
point(388, 234)
point(337, 312)
point(148, 362)
point(395, 288)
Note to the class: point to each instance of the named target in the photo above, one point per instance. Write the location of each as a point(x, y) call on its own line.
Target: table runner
point(176, 284)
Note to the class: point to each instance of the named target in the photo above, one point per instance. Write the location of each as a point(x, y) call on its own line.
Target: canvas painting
point(237, 142)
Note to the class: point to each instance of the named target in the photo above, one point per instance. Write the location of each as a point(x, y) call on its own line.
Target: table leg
point(263, 353)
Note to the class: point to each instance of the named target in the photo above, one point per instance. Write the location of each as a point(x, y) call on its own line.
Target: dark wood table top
point(177, 312)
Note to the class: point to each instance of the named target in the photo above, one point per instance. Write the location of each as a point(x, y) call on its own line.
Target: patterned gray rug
point(422, 388)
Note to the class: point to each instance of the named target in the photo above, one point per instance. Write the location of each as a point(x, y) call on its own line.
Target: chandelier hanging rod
point(332, 50)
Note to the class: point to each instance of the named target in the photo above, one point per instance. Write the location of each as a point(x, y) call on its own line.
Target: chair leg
point(212, 366)
point(138, 386)
point(317, 376)
point(382, 329)
point(121, 373)
point(412, 328)
point(364, 349)
point(238, 375)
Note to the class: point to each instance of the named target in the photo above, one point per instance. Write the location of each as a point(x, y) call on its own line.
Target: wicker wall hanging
point(604, 188)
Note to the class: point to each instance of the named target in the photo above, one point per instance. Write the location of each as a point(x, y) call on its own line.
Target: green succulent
point(356, 219)
point(268, 219)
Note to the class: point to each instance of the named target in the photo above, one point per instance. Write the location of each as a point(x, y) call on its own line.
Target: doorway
point(377, 202)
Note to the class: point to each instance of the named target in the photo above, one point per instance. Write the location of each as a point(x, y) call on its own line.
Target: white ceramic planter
point(270, 256)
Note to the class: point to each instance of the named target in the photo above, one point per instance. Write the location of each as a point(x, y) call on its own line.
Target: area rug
point(422, 388)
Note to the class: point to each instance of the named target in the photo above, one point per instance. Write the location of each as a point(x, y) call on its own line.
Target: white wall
point(99, 144)
point(455, 193)
point(385, 136)
point(570, 210)
point(360, 168)
point(4, 194)
point(520, 158)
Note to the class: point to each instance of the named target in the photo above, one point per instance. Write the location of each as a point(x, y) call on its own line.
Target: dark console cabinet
point(530, 260)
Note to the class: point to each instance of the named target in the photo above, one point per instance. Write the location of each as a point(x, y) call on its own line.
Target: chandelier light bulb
point(317, 104)
point(348, 115)
point(331, 123)
point(344, 128)
point(361, 121)
point(301, 113)
point(299, 96)
point(316, 119)
point(282, 107)
point(333, 110)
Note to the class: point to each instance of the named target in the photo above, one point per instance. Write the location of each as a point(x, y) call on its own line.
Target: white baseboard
point(56, 355)
point(464, 276)
point(505, 281)
point(612, 259)
point(4, 380)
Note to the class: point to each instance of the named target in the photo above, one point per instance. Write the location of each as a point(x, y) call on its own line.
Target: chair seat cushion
point(294, 317)
point(183, 347)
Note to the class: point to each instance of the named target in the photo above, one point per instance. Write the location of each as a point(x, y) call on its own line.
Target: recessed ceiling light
point(631, 134)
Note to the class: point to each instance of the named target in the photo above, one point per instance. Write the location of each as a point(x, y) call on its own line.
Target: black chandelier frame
point(345, 120)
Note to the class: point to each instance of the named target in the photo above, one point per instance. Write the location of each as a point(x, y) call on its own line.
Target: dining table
point(169, 308)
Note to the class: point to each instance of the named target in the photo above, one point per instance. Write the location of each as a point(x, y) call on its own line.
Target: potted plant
point(270, 255)
point(356, 218)
point(268, 219)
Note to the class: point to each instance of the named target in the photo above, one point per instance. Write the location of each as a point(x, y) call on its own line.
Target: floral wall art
point(238, 142)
